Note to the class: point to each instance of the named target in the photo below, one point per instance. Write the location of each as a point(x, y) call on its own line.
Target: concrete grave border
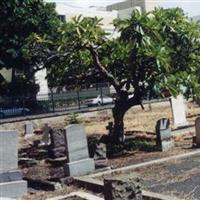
point(89, 182)
point(80, 194)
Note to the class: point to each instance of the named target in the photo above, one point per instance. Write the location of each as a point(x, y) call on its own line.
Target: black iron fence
point(54, 101)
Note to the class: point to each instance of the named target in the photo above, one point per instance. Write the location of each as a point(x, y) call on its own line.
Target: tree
point(158, 50)
point(18, 21)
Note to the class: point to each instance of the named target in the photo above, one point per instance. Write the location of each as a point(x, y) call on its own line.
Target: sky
point(191, 7)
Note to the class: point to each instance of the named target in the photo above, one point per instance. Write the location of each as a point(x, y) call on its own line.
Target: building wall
point(125, 13)
point(196, 18)
point(127, 4)
point(107, 16)
point(125, 8)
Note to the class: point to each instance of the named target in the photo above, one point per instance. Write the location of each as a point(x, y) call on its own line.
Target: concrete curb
point(92, 184)
point(80, 194)
point(157, 161)
point(156, 196)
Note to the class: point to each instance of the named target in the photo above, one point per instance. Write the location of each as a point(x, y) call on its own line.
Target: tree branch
point(102, 69)
point(48, 61)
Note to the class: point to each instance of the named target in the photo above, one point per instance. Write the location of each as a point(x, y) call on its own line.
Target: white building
point(125, 8)
point(66, 12)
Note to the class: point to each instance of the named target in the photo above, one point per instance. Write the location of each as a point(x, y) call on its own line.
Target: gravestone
point(11, 183)
point(57, 145)
point(164, 138)
point(78, 161)
point(100, 151)
point(178, 111)
point(123, 188)
point(28, 129)
point(46, 133)
point(197, 127)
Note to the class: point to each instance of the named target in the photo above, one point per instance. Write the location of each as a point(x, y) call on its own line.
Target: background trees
point(18, 21)
point(157, 50)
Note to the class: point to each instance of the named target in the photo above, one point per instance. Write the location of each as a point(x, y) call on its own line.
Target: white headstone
point(29, 129)
point(178, 111)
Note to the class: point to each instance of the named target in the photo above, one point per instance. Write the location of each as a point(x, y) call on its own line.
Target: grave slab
point(79, 168)
point(8, 151)
point(164, 138)
point(11, 183)
point(14, 189)
point(78, 161)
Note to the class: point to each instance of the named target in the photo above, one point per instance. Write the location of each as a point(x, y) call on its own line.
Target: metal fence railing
point(54, 101)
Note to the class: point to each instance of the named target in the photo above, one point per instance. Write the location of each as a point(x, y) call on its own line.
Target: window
point(61, 17)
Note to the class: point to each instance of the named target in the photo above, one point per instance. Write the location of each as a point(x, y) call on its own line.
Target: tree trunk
point(121, 106)
point(118, 128)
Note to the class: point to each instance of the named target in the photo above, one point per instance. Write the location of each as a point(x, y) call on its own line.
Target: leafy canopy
point(158, 51)
point(20, 20)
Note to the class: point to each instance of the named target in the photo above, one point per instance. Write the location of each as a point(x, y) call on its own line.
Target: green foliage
point(155, 51)
point(19, 20)
point(158, 50)
point(72, 119)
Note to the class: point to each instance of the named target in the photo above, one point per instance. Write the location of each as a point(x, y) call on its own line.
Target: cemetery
point(144, 146)
point(60, 160)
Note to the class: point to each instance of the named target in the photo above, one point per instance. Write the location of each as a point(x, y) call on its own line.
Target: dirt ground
point(137, 119)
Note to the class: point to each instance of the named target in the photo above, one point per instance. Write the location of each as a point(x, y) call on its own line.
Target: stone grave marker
point(178, 111)
point(46, 134)
point(123, 188)
point(11, 183)
point(78, 161)
point(100, 151)
point(28, 129)
point(57, 147)
point(197, 127)
point(164, 138)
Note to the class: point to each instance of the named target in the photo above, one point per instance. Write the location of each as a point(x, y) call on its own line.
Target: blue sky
point(191, 7)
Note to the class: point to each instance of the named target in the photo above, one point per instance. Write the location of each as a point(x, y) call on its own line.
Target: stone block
point(14, 189)
point(8, 150)
point(78, 168)
point(77, 155)
point(57, 152)
point(164, 138)
point(165, 134)
point(28, 129)
point(167, 145)
point(10, 176)
point(75, 137)
point(123, 188)
point(57, 138)
point(46, 133)
point(100, 151)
